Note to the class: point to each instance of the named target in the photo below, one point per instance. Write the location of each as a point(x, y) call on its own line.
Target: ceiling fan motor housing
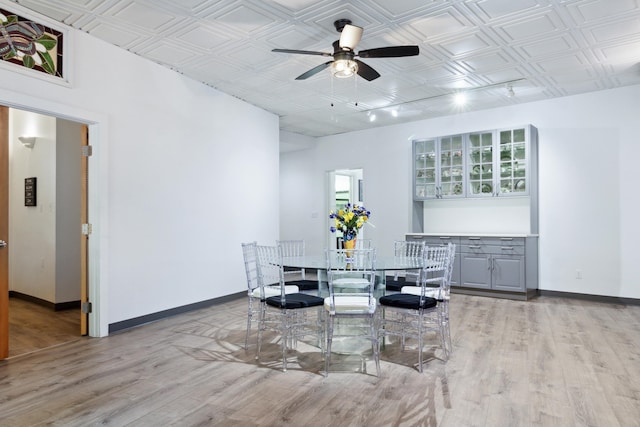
point(340, 23)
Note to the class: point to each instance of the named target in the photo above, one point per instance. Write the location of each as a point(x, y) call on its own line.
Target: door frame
point(98, 124)
point(4, 232)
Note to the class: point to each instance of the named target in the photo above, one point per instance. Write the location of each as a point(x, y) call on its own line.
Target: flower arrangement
point(349, 220)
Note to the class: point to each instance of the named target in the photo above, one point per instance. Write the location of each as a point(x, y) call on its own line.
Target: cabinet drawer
point(436, 240)
point(503, 249)
point(496, 241)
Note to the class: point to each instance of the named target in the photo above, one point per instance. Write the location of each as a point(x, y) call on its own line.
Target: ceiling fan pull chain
point(332, 93)
point(355, 80)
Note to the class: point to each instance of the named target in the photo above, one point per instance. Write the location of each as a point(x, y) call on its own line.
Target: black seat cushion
point(396, 285)
point(293, 301)
point(304, 285)
point(408, 301)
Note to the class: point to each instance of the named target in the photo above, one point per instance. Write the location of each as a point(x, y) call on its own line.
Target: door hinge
point(86, 307)
point(87, 151)
point(86, 229)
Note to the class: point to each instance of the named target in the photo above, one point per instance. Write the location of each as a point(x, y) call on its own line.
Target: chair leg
point(260, 329)
point(327, 358)
point(249, 320)
point(420, 341)
point(442, 334)
point(447, 327)
point(375, 344)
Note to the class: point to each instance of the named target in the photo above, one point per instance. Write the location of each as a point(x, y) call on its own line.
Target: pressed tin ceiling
point(544, 49)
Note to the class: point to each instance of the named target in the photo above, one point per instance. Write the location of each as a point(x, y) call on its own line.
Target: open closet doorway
point(345, 186)
point(44, 180)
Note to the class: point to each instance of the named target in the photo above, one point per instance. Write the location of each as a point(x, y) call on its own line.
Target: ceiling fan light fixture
point(344, 68)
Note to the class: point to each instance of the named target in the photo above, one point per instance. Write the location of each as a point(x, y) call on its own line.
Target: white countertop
point(473, 234)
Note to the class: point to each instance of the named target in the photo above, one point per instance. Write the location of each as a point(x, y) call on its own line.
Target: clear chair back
point(351, 272)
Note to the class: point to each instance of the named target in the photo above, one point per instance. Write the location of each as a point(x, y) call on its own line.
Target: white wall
point(184, 173)
point(32, 252)
point(588, 149)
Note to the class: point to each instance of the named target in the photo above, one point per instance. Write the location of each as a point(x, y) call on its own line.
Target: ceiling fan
point(344, 62)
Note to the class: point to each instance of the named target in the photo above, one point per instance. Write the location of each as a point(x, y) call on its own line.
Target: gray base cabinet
point(492, 265)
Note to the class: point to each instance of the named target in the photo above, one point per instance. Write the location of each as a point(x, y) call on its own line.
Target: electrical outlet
point(578, 274)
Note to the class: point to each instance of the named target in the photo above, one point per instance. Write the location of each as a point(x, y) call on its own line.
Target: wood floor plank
point(545, 362)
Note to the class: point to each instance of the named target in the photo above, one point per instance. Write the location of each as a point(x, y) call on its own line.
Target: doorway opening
point(46, 259)
point(345, 186)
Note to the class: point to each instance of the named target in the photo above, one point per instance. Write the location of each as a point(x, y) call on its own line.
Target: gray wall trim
point(137, 321)
point(70, 305)
point(589, 297)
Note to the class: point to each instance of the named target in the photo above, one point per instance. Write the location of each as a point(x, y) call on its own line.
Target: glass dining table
point(382, 265)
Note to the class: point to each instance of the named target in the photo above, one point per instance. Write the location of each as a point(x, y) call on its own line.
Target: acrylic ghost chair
point(296, 248)
point(408, 315)
point(256, 294)
point(292, 315)
point(405, 249)
point(345, 267)
point(442, 292)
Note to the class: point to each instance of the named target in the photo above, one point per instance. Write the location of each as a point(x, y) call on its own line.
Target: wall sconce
point(28, 141)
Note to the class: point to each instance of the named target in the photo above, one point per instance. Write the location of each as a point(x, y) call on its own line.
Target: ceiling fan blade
point(314, 70)
point(366, 72)
point(390, 52)
point(302, 52)
point(350, 36)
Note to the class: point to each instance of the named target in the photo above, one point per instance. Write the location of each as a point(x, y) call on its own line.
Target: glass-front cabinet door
point(481, 164)
point(439, 167)
point(424, 157)
point(513, 161)
point(451, 167)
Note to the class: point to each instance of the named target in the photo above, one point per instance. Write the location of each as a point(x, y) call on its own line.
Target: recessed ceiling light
point(460, 99)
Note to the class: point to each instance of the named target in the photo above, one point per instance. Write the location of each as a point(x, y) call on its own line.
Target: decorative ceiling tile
point(618, 30)
point(550, 46)
point(117, 36)
point(400, 7)
point(142, 16)
point(466, 45)
point(546, 48)
point(245, 18)
point(496, 9)
point(202, 37)
point(533, 26)
point(441, 24)
point(168, 54)
point(589, 11)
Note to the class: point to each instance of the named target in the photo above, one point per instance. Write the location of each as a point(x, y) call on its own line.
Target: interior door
point(4, 231)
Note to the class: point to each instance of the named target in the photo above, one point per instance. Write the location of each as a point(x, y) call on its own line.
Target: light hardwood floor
point(545, 362)
point(33, 327)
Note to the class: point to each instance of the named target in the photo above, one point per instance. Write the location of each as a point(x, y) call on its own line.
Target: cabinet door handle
point(443, 237)
point(506, 239)
point(474, 238)
point(475, 247)
point(506, 248)
point(489, 266)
